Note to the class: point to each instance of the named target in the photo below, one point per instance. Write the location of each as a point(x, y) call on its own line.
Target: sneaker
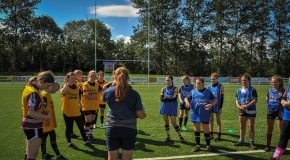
point(168, 140)
point(95, 126)
point(268, 149)
point(60, 157)
point(217, 139)
point(102, 126)
point(181, 140)
point(47, 157)
point(91, 138)
point(240, 143)
point(72, 135)
point(87, 143)
point(196, 149)
point(71, 145)
point(253, 146)
point(211, 149)
point(211, 137)
point(184, 129)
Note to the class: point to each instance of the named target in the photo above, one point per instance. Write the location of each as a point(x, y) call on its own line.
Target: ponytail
point(122, 87)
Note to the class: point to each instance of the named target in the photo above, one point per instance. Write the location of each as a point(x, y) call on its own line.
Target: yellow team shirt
point(71, 101)
point(26, 93)
point(90, 104)
point(48, 108)
point(101, 92)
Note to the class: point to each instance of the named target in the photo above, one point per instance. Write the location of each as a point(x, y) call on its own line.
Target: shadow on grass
point(142, 133)
point(94, 152)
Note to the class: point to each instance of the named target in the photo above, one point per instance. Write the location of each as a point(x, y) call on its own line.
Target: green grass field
point(150, 140)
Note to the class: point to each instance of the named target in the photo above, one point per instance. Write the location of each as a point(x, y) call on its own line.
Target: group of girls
point(203, 103)
point(80, 104)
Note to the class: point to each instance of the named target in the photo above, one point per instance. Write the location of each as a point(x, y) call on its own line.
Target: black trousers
point(69, 126)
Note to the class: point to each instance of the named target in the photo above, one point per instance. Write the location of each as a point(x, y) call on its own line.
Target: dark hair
point(171, 77)
point(69, 74)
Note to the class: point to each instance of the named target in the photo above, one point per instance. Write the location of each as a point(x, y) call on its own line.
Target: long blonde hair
point(280, 81)
point(121, 76)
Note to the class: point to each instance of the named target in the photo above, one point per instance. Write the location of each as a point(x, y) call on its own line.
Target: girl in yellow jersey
point(70, 108)
point(90, 103)
point(50, 125)
point(102, 105)
point(32, 112)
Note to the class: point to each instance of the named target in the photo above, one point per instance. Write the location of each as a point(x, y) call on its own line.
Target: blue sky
point(119, 15)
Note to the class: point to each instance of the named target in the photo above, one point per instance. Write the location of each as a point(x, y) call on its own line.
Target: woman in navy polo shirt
point(125, 107)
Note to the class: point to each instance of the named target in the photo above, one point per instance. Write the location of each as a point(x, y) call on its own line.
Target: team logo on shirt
point(200, 101)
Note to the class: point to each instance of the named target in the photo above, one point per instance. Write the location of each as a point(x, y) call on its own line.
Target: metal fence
point(156, 80)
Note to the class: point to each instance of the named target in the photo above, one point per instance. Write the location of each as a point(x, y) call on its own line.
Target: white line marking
point(202, 155)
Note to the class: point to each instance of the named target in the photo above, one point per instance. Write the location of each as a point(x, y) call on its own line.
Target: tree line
point(194, 37)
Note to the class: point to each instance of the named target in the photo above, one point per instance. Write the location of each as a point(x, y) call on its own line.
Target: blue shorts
point(120, 137)
point(169, 108)
point(183, 107)
point(200, 117)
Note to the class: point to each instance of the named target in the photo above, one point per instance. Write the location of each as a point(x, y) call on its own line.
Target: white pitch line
point(202, 155)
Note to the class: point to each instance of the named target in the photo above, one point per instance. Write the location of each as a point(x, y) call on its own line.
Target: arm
point(86, 94)
point(139, 107)
point(141, 114)
point(212, 103)
point(187, 102)
point(222, 96)
point(253, 102)
point(63, 89)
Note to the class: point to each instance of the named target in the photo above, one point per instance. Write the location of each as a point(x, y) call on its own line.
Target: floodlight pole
point(148, 46)
point(95, 35)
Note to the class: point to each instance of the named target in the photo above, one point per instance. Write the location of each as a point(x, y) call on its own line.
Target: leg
point(33, 146)
point(113, 155)
point(53, 144)
point(243, 120)
point(88, 119)
point(186, 117)
point(206, 129)
point(43, 144)
point(252, 132)
point(219, 123)
point(102, 115)
point(279, 124)
point(166, 121)
point(270, 123)
point(211, 125)
point(80, 123)
point(197, 136)
point(283, 141)
point(181, 112)
point(177, 128)
point(69, 127)
point(127, 154)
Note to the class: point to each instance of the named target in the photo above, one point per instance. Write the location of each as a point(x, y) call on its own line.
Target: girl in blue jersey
point(217, 90)
point(273, 99)
point(168, 109)
point(184, 91)
point(285, 126)
point(201, 101)
point(247, 98)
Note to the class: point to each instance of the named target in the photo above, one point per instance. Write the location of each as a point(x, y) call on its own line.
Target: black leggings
point(284, 135)
point(69, 126)
point(53, 144)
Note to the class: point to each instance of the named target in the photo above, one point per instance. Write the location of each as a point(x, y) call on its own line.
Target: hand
point(283, 102)
point(241, 107)
point(208, 106)
point(187, 104)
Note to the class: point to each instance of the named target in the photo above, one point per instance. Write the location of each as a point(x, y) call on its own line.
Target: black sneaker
point(71, 145)
point(47, 157)
point(60, 157)
point(240, 143)
point(268, 149)
point(87, 143)
point(181, 140)
point(168, 140)
point(217, 139)
point(253, 146)
point(74, 136)
point(211, 149)
point(196, 149)
point(91, 138)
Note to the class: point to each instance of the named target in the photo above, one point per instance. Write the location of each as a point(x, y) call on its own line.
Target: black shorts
point(244, 113)
point(274, 115)
point(183, 107)
point(89, 112)
point(120, 137)
point(102, 106)
point(202, 122)
point(33, 133)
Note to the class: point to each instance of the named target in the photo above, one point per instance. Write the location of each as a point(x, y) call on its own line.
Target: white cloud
point(108, 26)
point(115, 11)
point(127, 39)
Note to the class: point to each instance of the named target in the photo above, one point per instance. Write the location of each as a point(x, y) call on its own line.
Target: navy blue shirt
point(122, 114)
